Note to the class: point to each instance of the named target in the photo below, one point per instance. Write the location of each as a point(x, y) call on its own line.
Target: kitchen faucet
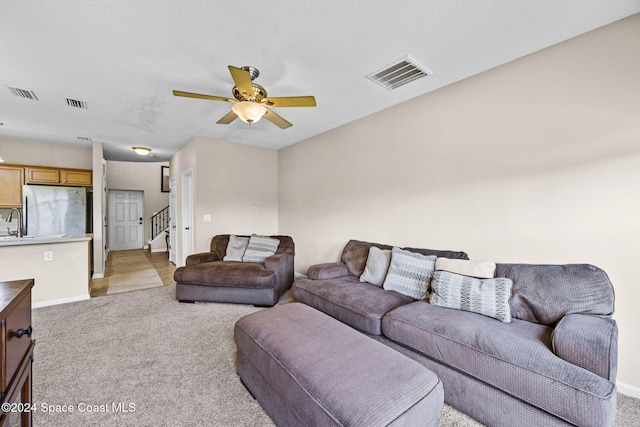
point(10, 218)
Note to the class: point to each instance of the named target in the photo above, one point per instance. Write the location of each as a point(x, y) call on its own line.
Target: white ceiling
point(124, 58)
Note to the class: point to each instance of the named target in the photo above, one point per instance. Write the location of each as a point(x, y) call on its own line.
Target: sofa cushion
point(355, 254)
point(236, 248)
point(480, 269)
point(409, 273)
point(358, 304)
point(489, 297)
point(223, 273)
point(515, 357)
point(260, 248)
point(377, 265)
point(546, 293)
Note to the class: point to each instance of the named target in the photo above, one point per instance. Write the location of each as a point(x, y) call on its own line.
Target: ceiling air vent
point(23, 93)
point(399, 73)
point(84, 138)
point(76, 104)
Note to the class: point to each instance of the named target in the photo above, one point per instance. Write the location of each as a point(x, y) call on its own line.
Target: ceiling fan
point(250, 99)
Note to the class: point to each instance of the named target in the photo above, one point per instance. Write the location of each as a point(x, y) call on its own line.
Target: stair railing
point(159, 222)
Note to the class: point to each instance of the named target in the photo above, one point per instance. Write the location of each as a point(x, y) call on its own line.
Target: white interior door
point(126, 219)
point(186, 248)
point(172, 221)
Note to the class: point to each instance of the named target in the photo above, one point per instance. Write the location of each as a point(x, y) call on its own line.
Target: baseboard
point(145, 247)
point(59, 301)
point(628, 390)
point(98, 276)
point(159, 250)
point(299, 275)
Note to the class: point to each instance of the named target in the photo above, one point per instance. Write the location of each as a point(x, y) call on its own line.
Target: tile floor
point(159, 260)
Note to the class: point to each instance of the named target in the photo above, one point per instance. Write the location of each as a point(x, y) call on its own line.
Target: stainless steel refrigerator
point(50, 210)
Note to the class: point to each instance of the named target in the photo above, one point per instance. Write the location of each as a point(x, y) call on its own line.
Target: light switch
point(48, 256)
point(207, 218)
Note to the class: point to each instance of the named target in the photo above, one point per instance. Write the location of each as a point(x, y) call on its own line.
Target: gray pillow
point(409, 273)
point(489, 297)
point(377, 265)
point(235, 248)
point(260, 248)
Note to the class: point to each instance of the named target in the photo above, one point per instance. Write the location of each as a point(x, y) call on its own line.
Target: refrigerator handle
point(25, 217)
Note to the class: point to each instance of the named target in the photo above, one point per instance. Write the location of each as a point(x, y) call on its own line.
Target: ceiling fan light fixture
point(143, 151)
point(249, 111)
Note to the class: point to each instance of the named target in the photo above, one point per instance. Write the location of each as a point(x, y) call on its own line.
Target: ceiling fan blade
point(201, 96)
point(242, 79)
point(276, 119)
point(291, 101)
point(228, 118)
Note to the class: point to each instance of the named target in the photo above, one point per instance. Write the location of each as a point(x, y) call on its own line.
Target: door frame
point(187, 216)
point(173, 230)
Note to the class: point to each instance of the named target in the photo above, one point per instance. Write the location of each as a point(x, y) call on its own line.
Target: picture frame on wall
point(164, 183)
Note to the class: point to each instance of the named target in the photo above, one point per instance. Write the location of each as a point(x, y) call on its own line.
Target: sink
point(46, 236)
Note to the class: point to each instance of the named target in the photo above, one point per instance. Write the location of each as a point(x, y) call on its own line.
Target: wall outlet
point(48, 256)
point(207, 218)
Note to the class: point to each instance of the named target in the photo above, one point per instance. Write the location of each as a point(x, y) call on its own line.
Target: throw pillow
point(481, 269)
point(489, 297)
point(377, 265)
point(260, 248)
point(409, 273)
point(235, 248)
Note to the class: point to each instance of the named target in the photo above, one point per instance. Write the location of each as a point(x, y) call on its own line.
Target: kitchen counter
point(60, 265)
point(40, 240)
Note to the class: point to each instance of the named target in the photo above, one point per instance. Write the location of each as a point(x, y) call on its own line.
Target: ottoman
point(308, 369)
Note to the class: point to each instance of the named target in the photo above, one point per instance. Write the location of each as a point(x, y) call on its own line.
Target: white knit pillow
point(235, 248)
point(377, 265)
point(489, 297)
point(481, 269)
point(260, 248)
point(409, 273)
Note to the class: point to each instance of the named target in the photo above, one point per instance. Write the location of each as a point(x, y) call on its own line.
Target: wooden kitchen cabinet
point(58, 176)
point(11, 181)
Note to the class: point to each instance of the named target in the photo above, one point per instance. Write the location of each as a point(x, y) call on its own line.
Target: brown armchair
point(206, 277)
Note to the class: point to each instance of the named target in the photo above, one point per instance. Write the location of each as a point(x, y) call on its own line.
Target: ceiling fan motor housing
point(259, 92)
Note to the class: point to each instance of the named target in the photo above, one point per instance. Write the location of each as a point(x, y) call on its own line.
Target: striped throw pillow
point(409, 273)
point(260, 248)
point(489, 297)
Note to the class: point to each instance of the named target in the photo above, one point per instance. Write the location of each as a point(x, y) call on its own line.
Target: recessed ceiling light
point(143, 151)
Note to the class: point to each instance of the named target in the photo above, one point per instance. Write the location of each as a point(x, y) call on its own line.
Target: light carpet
point(166, 363)
point(132, 271)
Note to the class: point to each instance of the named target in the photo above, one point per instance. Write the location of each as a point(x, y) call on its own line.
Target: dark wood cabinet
point(16, 350)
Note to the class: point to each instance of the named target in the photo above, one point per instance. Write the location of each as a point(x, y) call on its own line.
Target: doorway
point(186, 248)
point(172, 221)
point(126, 219)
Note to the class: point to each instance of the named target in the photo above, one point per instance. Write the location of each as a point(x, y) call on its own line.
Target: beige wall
point(536, 161)
point(41, 154)
point(142, 177)
point(236, 184)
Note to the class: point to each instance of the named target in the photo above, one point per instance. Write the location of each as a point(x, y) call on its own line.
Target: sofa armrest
point(588, 341)
point(282, 264)
point(202, 257)
point(329, 270)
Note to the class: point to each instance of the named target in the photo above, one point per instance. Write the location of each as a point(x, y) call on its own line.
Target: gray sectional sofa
point(554, 363)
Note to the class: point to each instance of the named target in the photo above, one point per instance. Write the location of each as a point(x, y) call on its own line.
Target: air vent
point(76, 104)
point(23, 93)
point(84, 138)
point(399, 73)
